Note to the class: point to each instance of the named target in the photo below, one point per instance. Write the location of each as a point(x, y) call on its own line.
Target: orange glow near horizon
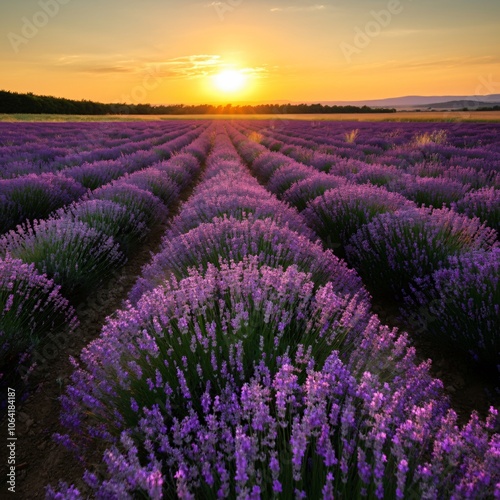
point(249, 52)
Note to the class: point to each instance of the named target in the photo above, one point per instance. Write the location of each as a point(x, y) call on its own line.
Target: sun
point(230, 80)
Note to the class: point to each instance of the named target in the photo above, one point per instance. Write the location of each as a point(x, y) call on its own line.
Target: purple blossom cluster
point(74, 255)
point(181, 168)
point(462, 305)
point(126, 227)
point(302, 192)
point(483, 203)
point(431, 167)
point(248, 364)
point(396, 248)
point(34, 196)
point(286, 175)
point(434, 191)
point(376, 174)
point(156, 182)
point(31, 307)
point(67, 255)
point(341, 212)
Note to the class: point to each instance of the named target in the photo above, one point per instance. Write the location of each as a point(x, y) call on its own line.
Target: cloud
point(295, 8)
point(182, 67)
point(443, 64)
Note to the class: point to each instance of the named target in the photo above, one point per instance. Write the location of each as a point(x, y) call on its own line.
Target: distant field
point(404, 116)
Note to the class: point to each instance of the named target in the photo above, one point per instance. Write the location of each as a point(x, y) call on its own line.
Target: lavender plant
point(71, 253)
point(111, 219)
point(181, 168)
point(286, 175)
point(378, 175)
point(155, 182)
point(31, 307)
point(34, 196)
point(397, 248)
point(265, 164)
point(461, 305)
point(96, 174)
point(232, 239)
point(483, 203)
point(435, 192)
point(306, 190)
point(212, 330)
point(136, 200)
point(340, 212)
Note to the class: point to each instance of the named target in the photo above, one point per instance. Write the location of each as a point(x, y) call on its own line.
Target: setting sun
point(230, 80)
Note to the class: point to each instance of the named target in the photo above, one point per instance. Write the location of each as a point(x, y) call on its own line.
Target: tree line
point(13, 102)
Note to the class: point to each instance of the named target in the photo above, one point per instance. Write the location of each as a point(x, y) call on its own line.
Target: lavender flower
point(155, 182)
point(483, 203)
point(136, 200)
point(284, 177)
point(435, 192)
point(340, 212)
point(34, 196)
point(111, 219)
point(31, 307)
point(232, 239)
point(462, 305)
point(396, 248)
point(306, 190)
point(266, 164)
point(71, 253)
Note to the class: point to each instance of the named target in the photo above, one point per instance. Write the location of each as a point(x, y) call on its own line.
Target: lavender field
point(248, 360)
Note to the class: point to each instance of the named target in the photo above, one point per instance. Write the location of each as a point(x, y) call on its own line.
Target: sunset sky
point(173, 51)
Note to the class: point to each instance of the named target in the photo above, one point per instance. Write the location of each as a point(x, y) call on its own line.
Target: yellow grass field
point(401, 116)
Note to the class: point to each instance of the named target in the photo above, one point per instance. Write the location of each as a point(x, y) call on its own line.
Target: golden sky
point(170, 51)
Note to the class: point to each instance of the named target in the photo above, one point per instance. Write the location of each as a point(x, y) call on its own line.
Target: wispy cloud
point(183, 67)
point(297, 8)
point(192, 66)
point(442, 64)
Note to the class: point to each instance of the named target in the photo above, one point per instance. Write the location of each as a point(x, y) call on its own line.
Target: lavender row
point(401, 145)
point(400, 250)
point(248, 365)
point(455, 182)
point(450, 190)
point(15, 169)
point(37, 196)
point(41, 153)
point(66, 256)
